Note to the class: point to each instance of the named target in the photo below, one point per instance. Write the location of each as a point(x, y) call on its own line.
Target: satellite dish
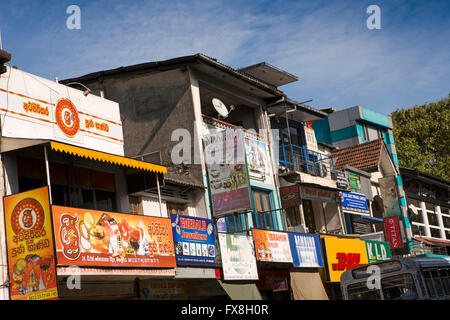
point(221, 108)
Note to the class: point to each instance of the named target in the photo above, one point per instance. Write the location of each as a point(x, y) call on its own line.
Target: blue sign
point(305, 250)
point(194, 240)
point(354, 201)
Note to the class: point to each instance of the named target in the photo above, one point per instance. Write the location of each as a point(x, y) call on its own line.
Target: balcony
point(301, 159)
point(219, 124)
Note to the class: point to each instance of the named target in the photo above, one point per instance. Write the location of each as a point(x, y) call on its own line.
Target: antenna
point(221, 108)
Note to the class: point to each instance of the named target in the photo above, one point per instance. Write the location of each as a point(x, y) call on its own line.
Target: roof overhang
point(269, 74)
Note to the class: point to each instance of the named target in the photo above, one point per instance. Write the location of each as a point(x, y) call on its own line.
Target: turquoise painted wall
point(375, 117)
point(322, 130)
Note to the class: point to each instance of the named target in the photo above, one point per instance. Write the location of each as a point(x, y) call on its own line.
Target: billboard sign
point(106, 239)
point(290, 196)
point(194, 240)
point(378, 251)
point(305, 250)
point(31, 260)
point(388, 189)
point(272, 246)
point(238, 257)
point(354, 202)
point(393, 235)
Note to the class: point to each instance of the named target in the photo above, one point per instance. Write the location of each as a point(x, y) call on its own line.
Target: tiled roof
point(361, 156)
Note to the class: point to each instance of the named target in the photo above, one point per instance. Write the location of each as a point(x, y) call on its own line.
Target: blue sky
point(340, 62)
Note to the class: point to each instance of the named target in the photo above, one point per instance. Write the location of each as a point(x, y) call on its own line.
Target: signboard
point(257, 160)
point(290, 196)
point(31, 260)
point(310, 193)
point(227, 171)
point(194, 240)
point(378, 251)
point(342, 180)
point(393, 235)
point(354, 180)
point(106, 239)
point(309, 138)
point(305, 250)
point(238, 257)
point(342, 255)
point(44, 109)
point(271, 246)
point(354, 202)
point(388, 191)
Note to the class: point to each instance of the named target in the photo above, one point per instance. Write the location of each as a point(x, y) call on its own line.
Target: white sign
point(238, 257)
point(36, 108)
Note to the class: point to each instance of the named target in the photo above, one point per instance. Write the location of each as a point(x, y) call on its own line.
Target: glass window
point(104, 200)
point(176, 208)
point(418, 230)
point(359, 291)
point(447, 234)
point(399, 287)
point(135, 205)
point(435, 233)
point(415, 215)
point(432, 218)
point(429, 283)
point(446, 221)
point(445, 277)
point(293, 216)
point(263, 209)
point(437, 282)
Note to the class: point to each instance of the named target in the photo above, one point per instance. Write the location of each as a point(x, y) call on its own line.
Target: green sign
point(354, 181)
point(378, 251)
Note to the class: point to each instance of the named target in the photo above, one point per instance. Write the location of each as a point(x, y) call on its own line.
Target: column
point(437, 210)
point(425, 219)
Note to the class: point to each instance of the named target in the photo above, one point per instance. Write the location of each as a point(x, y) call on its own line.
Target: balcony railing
point(301, 159)
point(219, 124)
point(243, 222)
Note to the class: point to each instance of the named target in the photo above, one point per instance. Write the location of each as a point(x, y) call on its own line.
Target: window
point(359, 291)
point(293, 216)
point(437, 281)
point(432, 218)
point(176, 208)
point(399, 287)
point(135, 205)
point(262, 210)
point(435, 232)
point(446, 221)
point(447, 234)
point(418, 230)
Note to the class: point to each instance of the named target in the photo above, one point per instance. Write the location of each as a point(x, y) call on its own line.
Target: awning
point(363, 218)
point(106, 157)
point(307, 285)
point(241, 291)
point(433, 242)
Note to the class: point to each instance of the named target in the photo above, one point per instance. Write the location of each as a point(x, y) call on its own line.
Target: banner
point(106, 239)
point(378, 251)
point(342, 255)
point(238, 257)
point(393, 235)
point(389, 195)
point(311, 193)
point(194, 240)
point(305, 250)
point(271, 246)
point(227, 171)
point(29, 240)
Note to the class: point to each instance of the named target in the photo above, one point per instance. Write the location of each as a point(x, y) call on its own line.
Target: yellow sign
point(29, 239)
point(342, 255)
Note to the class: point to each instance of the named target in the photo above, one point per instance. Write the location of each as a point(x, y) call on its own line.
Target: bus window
point(399, 287)
point(359, 291)
point(437, 283)
point(445, 276)
point(429, 283)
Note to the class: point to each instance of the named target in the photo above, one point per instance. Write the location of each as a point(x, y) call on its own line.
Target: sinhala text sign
point(31, 260)
point(272, 246)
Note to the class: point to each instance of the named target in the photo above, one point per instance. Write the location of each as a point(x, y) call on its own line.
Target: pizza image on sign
point(67, 118)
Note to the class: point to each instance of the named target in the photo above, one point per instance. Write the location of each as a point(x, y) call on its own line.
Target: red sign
point(391, 225)
point(346, 261)
point(290, 196)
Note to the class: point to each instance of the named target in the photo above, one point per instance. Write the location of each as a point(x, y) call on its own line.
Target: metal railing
point(301, 159)
point(240, 222)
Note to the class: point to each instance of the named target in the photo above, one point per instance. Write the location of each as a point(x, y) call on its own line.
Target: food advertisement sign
point(378, 251)
point(105, 239)
point(194, 240)
point(272, 246)
point(227, 171)
point(342, 255)
point(31, 260)
point(238, 257)
point(305, 250)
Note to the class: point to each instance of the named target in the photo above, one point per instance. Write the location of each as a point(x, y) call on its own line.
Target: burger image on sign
point(67, 118)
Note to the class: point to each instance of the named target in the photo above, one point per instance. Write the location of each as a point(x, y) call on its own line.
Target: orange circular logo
point(67, 117)
point(28, 214)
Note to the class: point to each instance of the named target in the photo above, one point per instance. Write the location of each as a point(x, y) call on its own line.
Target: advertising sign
point(393, 235)
point(342, 255)
point(106, 239)
point(238, 257)
point(227, 171)
point(271, 246)
point(388, 191)
point(31, 260)
point(354, 180)
point(378, 251)
point(310, 193)
point(305, 250)
point(290, 196)
point(354, 202)
point(309, 138)
point(44, 109)
point(194, 240)
point(257, 159)
point(342, 180)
